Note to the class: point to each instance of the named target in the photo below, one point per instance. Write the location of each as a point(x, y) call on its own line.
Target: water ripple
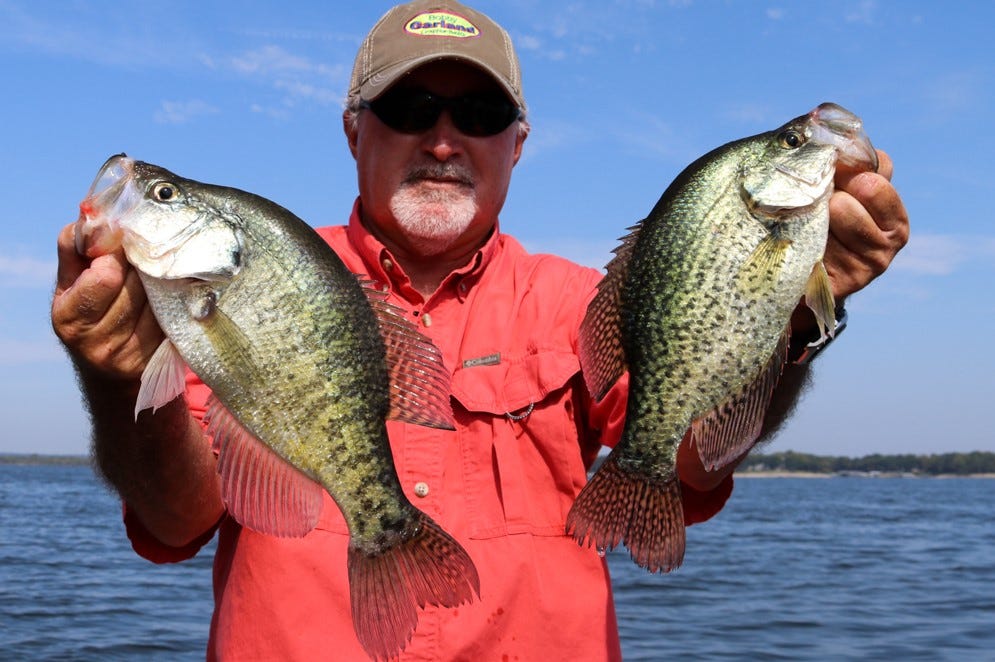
point(845, 568)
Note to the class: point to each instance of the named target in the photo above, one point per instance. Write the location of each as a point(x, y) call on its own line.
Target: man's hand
point(868, 225)
point(160, 464)
point(100, 313)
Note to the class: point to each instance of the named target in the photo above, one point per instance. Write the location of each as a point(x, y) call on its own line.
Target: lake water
point(793, 569)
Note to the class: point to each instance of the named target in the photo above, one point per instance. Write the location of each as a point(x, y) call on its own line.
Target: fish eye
point(791, 139)
point(165, 191)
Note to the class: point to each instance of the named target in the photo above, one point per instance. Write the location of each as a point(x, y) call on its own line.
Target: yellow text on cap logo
point(441, 24)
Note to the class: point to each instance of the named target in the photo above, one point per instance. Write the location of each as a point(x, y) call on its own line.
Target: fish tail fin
point(644, 514)
point(388, 587)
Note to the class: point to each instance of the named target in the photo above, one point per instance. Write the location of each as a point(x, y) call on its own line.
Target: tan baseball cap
point(419, 32)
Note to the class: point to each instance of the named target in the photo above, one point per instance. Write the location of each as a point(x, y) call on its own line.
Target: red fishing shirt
point(501, 483)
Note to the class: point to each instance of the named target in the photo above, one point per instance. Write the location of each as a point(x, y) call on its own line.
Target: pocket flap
point(513, 384)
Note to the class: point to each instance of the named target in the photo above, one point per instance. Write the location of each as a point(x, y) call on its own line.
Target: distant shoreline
point(852, 474)
point(35, 459)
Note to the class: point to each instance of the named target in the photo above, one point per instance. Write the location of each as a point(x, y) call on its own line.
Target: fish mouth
point(832, 124)
point(110, 197)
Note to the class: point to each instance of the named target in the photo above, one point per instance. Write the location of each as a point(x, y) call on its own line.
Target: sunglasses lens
point(415, 111)
point(407, 111)
point(483, 115)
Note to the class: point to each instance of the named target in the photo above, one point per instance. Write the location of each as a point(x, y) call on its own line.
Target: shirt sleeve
point(144, 543)
point(152, 549)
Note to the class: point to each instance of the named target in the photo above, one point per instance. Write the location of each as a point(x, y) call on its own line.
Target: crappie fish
point(696, 305)
point(305, 364)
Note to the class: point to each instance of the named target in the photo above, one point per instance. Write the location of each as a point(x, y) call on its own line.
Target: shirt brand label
point(490, 359)
point(441, 24)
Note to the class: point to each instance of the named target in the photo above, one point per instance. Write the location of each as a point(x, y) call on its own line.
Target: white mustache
point(446, 171)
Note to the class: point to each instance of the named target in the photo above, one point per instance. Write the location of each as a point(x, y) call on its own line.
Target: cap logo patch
point(441, 24)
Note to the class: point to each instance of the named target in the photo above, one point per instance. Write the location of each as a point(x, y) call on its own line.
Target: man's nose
point(444, 140)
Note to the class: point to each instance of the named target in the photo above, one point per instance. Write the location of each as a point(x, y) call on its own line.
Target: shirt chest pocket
point(520, 443)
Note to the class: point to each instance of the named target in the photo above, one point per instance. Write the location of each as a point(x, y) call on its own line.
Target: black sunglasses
point(410, 110)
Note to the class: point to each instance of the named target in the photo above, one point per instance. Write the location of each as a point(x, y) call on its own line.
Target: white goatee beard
point(432, 220)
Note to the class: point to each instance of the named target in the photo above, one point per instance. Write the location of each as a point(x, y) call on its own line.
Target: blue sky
point(622, 96)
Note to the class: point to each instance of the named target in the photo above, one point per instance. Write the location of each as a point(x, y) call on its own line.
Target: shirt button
point(426, 319)
point(462, 287)
point(421, 489)
point(387, 264)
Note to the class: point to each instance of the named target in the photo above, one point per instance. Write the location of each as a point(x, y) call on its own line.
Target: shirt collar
point(383, 268)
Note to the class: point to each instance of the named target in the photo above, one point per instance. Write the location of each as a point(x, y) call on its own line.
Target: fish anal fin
point(761, 272)
point(419, 381)
point(819, 297)
point(388, 587)
point(644, 514)
point(262, 491)
point(163, 379)
point(602, 357)
point(730, 429)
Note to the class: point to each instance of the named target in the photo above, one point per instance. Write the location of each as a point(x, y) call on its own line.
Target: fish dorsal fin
point(163, 379)
point(261, 490)
point(730, 429)
point(419, 381)
point(602, 357)
point(819, 297)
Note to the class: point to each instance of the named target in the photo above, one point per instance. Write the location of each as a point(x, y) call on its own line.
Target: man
point(435, 121)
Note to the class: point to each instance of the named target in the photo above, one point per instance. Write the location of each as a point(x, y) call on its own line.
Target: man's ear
point(520, 141)
point(350, 127)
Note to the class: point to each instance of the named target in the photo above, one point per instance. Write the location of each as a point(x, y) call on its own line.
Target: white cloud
point(273, 62)
point(648, 133)
point(955, 91)
point(269, 111)
point(269, 59)
point(26, 272)
point(528, 43)
point(862, 12)
point(77, 31)
point(752, 113)
point(775, 13)
point(298, 78)
point(179, 112)
point(942, 255)
point(121, 44)
point(298, 90)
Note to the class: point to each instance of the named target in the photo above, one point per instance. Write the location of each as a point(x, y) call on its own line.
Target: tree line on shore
point(959, 464)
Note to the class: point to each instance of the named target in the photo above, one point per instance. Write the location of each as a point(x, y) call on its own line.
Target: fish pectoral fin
point(761, 272)
point(261, 490)
point(233, 345)
point(729, 430)
point(645, 513)
point(419, 382)
point(387, 586)
point(602, 356)
point(163, 379)
point(819, 297)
